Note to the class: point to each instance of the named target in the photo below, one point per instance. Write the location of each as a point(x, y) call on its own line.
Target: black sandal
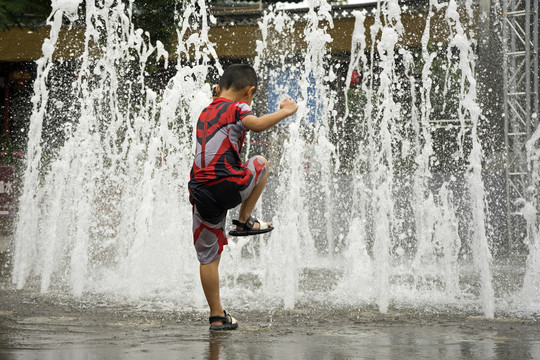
point(247, 227)
point(229, 323)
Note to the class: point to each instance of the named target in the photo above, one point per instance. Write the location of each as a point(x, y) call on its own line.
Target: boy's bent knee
point(263, 159)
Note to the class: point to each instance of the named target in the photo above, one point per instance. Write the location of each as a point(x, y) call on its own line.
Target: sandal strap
point(224, 318)
point(250, 222)
point(211, 319)
point(238, 223)
point(248, 225)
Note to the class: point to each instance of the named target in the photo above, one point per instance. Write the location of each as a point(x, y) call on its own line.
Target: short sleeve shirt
point(220, 136)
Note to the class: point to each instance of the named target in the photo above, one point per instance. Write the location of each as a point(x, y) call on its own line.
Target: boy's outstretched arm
point(258, 124)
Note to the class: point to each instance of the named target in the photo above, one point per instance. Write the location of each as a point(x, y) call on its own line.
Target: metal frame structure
point(521, 101)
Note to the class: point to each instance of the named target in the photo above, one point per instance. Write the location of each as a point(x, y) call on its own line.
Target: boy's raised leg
point(249, 204)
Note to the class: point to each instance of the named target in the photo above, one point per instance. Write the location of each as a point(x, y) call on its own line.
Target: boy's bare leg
point(210, 283)
point(249, 204)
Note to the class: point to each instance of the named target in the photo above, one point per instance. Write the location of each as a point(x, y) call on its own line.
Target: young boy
point(220, 181)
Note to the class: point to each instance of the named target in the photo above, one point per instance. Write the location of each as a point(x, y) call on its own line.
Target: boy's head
point(237, 77)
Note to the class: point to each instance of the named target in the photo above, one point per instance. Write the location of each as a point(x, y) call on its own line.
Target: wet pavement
point(58, 326)
point(34, 326)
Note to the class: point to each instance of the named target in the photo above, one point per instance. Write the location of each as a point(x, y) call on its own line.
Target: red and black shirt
point(220, 136)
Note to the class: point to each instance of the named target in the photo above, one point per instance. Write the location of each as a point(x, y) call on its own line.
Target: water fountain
point(362, 222)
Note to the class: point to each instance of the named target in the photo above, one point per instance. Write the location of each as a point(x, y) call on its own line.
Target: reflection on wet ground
point(36, 326)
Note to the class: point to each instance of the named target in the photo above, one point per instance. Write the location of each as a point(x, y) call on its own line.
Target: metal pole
point(506, 121)
point(536, 78)
point(527, 69)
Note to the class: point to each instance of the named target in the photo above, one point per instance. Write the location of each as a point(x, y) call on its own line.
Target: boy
point(220, 181)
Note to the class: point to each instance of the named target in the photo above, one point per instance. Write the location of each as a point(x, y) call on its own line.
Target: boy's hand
point(257, 124)
point(289, 106)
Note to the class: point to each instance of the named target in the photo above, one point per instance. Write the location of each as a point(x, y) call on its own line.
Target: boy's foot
point(226, 322)
point(250, 227)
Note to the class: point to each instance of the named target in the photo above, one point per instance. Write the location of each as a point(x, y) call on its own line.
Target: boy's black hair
point(238, 76)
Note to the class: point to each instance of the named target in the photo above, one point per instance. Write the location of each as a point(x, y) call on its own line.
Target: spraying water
point(531, 282)
point(362, 218)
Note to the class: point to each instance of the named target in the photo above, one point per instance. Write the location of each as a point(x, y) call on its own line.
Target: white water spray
point(104, 209)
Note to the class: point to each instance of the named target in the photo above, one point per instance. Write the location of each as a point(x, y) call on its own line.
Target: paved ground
point(34, 326)
point(55, 326)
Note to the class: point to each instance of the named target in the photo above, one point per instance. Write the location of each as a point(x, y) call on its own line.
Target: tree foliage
point(158, 17)
point(28, 13)
point(155, 16)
